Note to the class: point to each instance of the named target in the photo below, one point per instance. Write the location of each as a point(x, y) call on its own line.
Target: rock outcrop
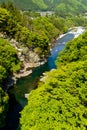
point(28, 58)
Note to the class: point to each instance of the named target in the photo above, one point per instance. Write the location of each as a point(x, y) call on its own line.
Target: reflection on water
point(26, 84)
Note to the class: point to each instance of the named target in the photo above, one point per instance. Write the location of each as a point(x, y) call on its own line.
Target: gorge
point(26, 84)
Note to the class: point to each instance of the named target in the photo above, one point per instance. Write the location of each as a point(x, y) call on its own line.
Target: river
point(26, 84)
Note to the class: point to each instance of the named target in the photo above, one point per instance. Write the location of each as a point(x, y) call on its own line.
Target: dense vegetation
point(37, 33)
point(61, 6)
point(25, 30)
point(71, 7)
point(3, 107)
point(75, 51)
point(9, 62)
point(19, 26)
point(60, 101)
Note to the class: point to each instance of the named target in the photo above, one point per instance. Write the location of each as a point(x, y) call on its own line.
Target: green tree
point(2, 73)
point(8, 57)
point(60, 101)
point(3, 107)
point(4, 16)
point(75, 50)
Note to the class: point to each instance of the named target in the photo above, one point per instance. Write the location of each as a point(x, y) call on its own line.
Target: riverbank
point(30, 59)
point(76, 31)
point(26, 84)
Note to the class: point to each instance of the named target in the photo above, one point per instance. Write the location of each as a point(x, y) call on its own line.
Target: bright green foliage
point(40, 42)
point(44, 25)
point(75, 50)
point(40, 4)
point(59, 23)
point(70, 7)
point(60, 101)
point(12, 10)
point(34, 40)
point(2, 73)
point(9, 63)
point(61, 6)
point(29, 4)
point(10, 18)
point(22, 34)
point(4, 15)
point(8, 59)
point(29, 33)
point(3, 107)
point(7, 23)
point(35, 33)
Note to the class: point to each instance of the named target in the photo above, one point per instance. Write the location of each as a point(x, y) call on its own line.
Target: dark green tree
point(60, 101)
point(3, 107)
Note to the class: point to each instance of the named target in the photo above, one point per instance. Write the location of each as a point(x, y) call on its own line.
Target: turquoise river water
point(26, 84)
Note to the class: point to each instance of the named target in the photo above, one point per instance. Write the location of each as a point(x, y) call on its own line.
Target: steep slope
point(29, 4)
point(60, 101)
point(67, 6)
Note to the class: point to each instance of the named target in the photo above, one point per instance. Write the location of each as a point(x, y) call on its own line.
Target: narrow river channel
point(26, 84)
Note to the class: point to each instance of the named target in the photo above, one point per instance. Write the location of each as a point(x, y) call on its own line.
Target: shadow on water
point(17, 96)
point(12, 121)
point(26, 84)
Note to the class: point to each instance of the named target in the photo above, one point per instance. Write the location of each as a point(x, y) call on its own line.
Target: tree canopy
point(3, 107)
point(60, 101)
point(61, 6)
point(9, 61)
point(75, 50)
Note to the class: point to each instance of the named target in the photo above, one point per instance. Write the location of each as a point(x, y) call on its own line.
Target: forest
point(63, 92)
point(19, 26)
point(60, 101)
point(60, 6)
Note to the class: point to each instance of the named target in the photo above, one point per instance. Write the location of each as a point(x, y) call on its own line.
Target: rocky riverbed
point(28, 58)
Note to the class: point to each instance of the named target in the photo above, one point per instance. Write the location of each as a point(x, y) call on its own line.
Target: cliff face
point(28, 58)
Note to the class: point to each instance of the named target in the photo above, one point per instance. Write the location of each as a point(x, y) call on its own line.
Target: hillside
point(60, 101)
point(61, 6)
point(24, 44)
